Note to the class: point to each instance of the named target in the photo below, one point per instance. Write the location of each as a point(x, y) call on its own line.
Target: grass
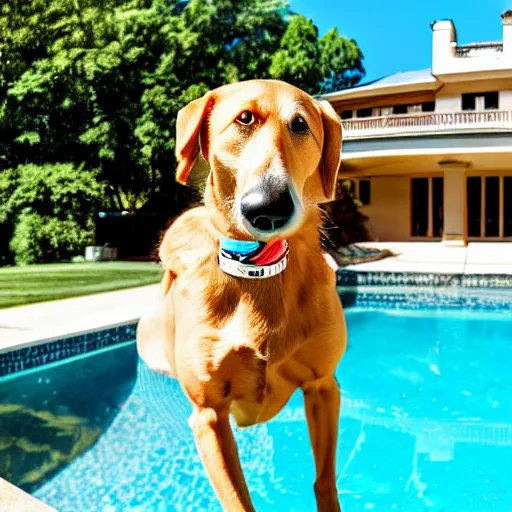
point(38, 283)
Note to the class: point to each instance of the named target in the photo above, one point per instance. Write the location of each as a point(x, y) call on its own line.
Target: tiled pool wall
point(57, 350)
point(355, 278)
point(420, 299)
point(404, 290)
point(415, 291)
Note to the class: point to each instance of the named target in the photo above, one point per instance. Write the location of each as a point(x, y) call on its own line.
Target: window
point(364, 112)
point(364, 191)
point(437, 206)
point(428, 106)
point(382, 111)
point(400, 109)
point(489, 210)
point(507, 206)
point(427, 207)
point(492, 206)
point(419, 206)
point(347, 114)
point(480, 101)
point(474, 200)
point(413, 109)
point(468, 101)
point(491, 100)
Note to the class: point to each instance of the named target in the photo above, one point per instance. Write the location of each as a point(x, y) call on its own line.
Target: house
point(429, 152)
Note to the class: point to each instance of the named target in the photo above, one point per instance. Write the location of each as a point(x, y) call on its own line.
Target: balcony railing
point(479, 49)
point(427, 123)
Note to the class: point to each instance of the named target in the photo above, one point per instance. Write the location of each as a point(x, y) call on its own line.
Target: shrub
point(344, 223)
point(39, 239)
point(50, 210)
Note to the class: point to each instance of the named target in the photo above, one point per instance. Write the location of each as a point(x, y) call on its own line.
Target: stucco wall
point(389, 208)
point(506, 100)
point(448, 103)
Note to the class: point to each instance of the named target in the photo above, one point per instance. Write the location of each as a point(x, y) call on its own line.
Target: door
point(489, 213)
point(427, 203)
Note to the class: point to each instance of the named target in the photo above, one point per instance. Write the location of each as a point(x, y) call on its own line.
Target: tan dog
point(243, 346)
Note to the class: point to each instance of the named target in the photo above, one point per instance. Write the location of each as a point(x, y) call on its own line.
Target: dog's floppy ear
point(188, 129)
point(331, 152)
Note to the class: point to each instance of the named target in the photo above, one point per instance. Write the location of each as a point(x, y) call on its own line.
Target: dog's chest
point(243, 331)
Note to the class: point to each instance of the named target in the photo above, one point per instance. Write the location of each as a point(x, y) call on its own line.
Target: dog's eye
point(299, 125)
point(245, 117)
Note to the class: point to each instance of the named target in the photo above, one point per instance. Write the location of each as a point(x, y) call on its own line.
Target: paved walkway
point(476, 258)
point(26, 325)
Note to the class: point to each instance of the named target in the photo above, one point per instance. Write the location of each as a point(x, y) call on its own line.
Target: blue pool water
point(426, 425)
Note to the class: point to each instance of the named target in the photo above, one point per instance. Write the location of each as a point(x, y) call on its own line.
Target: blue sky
point(395, 35)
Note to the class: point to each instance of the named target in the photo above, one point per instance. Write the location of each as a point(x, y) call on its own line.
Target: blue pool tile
point(57, 350)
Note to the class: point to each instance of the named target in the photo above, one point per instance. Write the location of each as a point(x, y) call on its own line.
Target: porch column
point(454, 206)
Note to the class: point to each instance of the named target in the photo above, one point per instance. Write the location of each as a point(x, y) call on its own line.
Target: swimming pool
point(426, 423)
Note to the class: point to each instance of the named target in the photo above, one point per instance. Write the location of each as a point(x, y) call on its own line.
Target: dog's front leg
point(322, 399)
point(217, 449)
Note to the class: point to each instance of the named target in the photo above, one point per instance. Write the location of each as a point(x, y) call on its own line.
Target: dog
point(249, 311)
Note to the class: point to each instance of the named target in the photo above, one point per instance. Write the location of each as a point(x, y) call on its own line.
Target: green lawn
point(37, 283)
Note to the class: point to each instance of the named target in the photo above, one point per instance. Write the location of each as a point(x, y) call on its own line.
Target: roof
point(422, 77)
point(407, 77)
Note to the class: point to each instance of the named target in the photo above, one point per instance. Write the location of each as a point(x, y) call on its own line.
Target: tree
point(297, 60)
point(341, 62)
point(98, 83)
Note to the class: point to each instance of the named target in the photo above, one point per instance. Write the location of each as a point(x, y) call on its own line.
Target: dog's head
point(272, 151)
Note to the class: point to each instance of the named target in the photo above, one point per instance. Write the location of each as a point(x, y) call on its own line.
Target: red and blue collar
point(251, 259)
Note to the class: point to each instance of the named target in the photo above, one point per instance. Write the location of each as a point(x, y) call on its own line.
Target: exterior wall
point(443, 51)
point(490, 84)
point(506, 100)
point(389, 210)
point(444, 56)
point(448, 103)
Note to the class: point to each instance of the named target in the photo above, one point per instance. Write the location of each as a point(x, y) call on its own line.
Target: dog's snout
point(269, 205)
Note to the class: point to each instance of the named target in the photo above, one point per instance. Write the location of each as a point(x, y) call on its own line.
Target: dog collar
point(253, 260)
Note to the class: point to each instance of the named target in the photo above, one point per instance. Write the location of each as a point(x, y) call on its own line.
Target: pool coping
point(56, 349)
point(64, 335)
point(13, 498)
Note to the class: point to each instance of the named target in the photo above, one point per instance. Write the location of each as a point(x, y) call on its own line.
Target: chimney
point(444, 43)
point(506, 19)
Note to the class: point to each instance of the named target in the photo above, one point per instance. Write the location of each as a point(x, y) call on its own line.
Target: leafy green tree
point(297, 60)
point(341, 62)
point(98, 83)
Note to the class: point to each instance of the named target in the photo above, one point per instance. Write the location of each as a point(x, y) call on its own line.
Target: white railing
point(427, 123)
point(479, 49)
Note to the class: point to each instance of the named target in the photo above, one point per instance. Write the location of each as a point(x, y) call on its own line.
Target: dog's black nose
point(269, 205)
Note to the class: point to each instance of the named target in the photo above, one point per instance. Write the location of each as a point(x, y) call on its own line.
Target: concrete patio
point(26, 325)
point(434, 257)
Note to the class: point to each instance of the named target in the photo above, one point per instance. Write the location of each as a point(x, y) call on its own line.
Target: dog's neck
point(282, 256)
point(252, 260)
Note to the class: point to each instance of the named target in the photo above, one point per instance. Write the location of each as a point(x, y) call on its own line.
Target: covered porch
point(455, 196)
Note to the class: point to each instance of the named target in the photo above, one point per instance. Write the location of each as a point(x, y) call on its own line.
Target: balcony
point(427, 124)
